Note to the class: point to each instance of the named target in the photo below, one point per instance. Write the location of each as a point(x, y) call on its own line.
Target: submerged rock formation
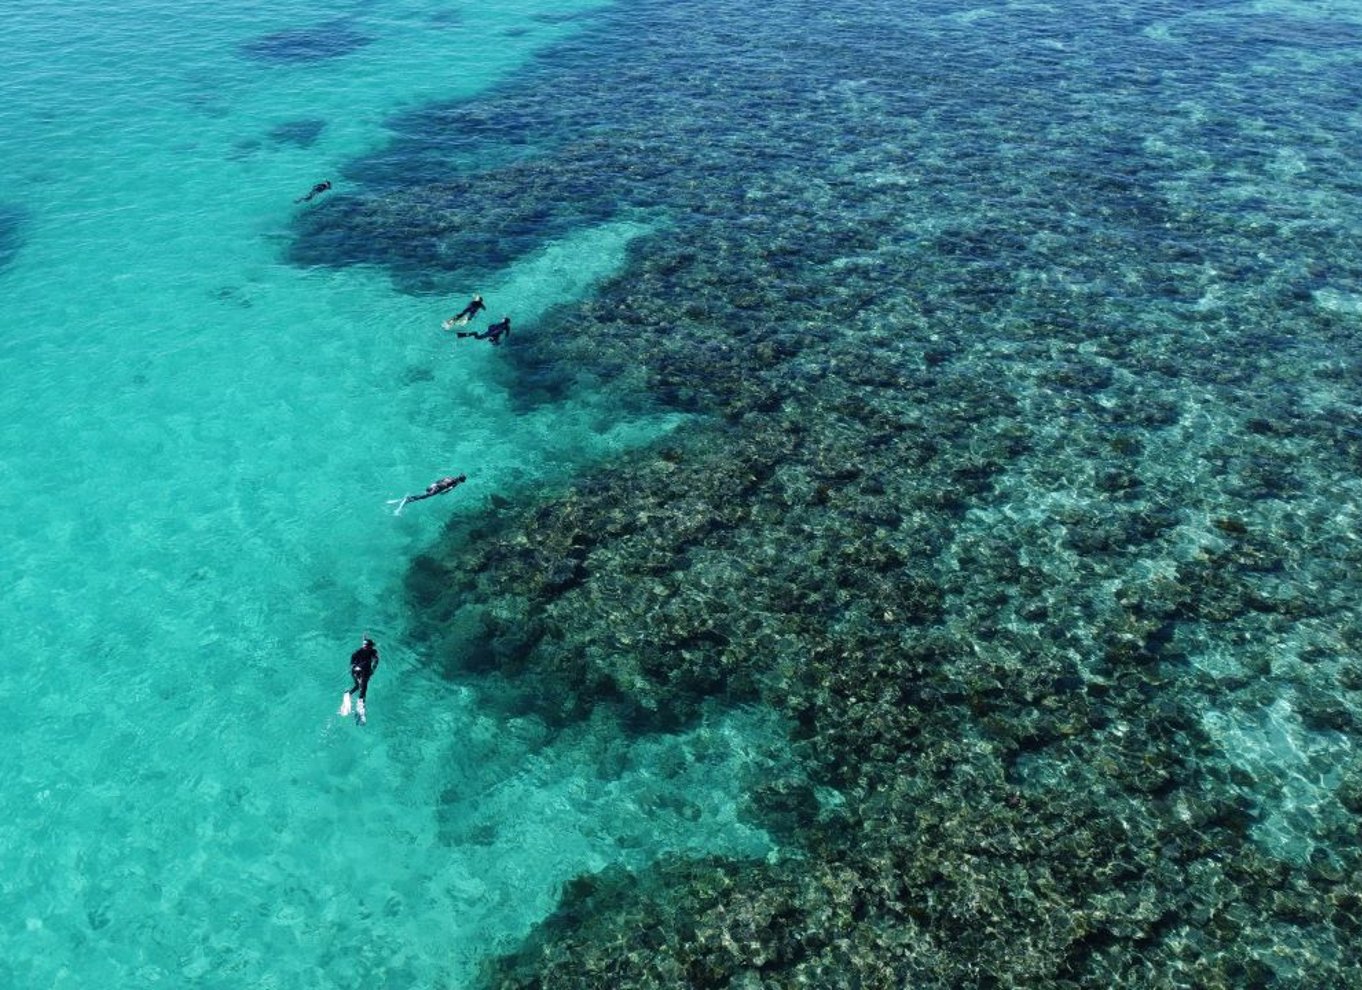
point(1005, 486)
point(993, 699)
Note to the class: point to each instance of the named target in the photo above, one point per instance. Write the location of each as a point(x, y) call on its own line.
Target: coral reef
point(1022, 481)
point(1029, 795)
point(317, 43)
point(300, 133)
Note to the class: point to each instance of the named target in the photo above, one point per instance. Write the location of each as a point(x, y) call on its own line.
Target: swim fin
point(361, 716)
point(345, 704)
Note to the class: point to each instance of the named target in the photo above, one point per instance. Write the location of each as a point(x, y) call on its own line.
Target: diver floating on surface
point(462, 317)
point(316, 190)
point(434, 488)
point(493, 333)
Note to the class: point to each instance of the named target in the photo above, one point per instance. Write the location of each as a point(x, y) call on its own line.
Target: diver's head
point(368, 641)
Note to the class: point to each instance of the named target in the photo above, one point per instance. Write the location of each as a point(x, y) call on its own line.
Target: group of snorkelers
point(493, 335)
point(494, 332)
point(364, 661)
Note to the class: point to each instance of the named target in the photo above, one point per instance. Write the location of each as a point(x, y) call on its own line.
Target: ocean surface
point(199, 443)
point(212, 392)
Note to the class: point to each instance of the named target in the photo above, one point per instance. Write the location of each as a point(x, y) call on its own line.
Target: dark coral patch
point(243, 148)
point(446, 17)
point(11, 233)
point(1008, 473)
point(300, 133)
point(1270, 32)
point(333, 39)
point(560, 17)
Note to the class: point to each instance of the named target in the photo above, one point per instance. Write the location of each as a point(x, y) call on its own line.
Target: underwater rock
point(1258, 31)
point(300, 133)
point(11, 239)
point(1349, 791)
point(967, 501)
point(1322, 711)
point(316, 43)
point(243, 149)
point(1350, 675)
point(417, 374)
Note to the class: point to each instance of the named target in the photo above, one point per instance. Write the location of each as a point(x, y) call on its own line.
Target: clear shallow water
point(199, 443)
point(200, 438)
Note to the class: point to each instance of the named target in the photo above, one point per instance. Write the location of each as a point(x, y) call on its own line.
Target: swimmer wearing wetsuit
point(316, 190)
point(433, 489)
point(467, 313)
point(493, 333)
point(363, 663)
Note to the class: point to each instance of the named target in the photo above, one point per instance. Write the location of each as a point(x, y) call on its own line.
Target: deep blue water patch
point(11, 233)
point(561, 17)
point(244, 148)
point(1237, 35)
point(446, 17)
point(300, 133)
point(316, 43)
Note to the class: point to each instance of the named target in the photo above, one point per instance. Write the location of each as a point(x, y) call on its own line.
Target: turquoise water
point(199, 443)
point(1097, 263)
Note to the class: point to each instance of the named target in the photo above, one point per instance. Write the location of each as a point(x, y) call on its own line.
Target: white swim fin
point(361, 716)
point(345, 704)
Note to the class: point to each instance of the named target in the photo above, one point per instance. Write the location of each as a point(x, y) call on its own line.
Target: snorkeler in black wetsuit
point(433, 489)
point(363, 663)
point(493, 333)
point(467, 313)
point(316, 190)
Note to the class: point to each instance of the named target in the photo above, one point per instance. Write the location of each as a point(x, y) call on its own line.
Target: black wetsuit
point(469, 311)
point(320, 187)
point(363, 663)
point(494, 333)
point(439, 488)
